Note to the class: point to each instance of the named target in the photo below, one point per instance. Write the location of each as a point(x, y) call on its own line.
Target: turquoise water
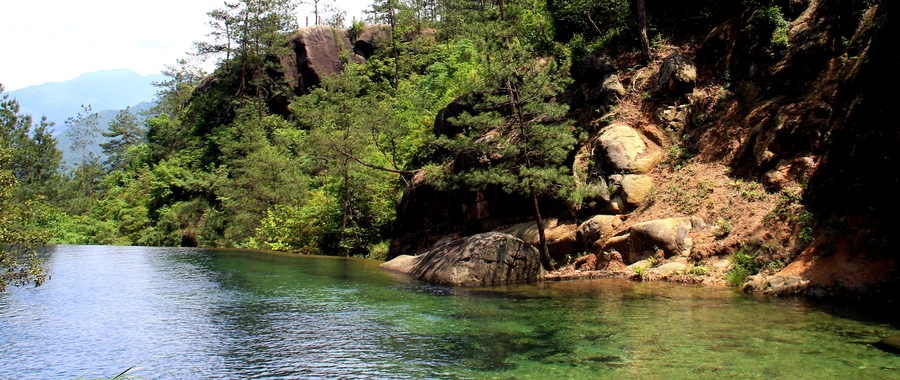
point(190, 313)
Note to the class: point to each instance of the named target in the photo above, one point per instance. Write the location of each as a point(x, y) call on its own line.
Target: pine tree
point(518, 134)
point(34, 158)
point(83, 128)
point(125, 132)
point(175, 91)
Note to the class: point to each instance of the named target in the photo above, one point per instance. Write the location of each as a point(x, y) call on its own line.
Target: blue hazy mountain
point(103, 90)
point(64, 141)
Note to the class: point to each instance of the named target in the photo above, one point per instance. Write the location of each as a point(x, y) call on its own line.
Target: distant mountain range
point(71, 160)
point(103, 90)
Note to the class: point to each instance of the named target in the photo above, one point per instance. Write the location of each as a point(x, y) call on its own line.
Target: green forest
point(244, 157)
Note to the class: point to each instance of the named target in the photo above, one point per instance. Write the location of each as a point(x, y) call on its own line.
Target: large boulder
point(562, 237)
point(318, 53)
point(610, 92)
point(442, 123)
point(778, 285)
point(597, 227)
point(372, 38)
point(677, 76)
point(671, 236)
point(674, 119)
point(633, 188)
point(486, 259)
point(624, 150)
point(594, 66)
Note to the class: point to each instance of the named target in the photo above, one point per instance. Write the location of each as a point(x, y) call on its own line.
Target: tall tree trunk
point(393, 19)
point(642, 29)
point(545, 251)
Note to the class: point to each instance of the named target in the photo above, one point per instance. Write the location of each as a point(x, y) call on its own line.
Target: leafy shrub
point(772, 17)
point(379, 251)
point(745, 265)
point(356, 30)
point(737, 276)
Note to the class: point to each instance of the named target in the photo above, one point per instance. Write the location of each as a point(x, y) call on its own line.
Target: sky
point(56, 40)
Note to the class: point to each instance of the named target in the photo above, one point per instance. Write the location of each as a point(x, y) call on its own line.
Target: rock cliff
point(761, 138)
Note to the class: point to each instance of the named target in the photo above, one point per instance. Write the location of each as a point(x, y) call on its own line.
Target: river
point(225, 314)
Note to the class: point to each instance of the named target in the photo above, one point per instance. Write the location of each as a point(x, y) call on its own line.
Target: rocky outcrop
point(789, 173)
point(673, 119)
point(621, 156)
point(595, 65)
point(442, 123)
point(633, 188)
point(372, 38)
point(486, 259)
point(562, 237)
point(778, 285)
point(677, 76)
point(624, 150)
point(598, 227)
point(318, 53)
point(669, 236)
point(610, 91)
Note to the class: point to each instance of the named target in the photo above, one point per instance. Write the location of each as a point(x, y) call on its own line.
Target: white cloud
point(53, 40)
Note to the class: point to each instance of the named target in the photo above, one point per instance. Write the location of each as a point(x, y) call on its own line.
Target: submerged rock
point(889, 344)
point(486, 259)
point(778, 285)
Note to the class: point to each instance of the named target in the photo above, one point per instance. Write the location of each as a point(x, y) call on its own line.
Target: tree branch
point(402, 173)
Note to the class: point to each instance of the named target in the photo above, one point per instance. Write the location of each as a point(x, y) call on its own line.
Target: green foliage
point(82, 130)
point(699, 270)
point(223, 163)
point(588, 18)
point(125, 133)
point(20, 232)
point(175, 91)
point(737, 276)
point(34, 160)
point(771, 17)
point(298, 229)
point(356, 29)
point(744, 263)
point(457, 67)
point(379, 251)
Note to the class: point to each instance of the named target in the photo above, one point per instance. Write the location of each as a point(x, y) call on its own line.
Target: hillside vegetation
point(703, 142)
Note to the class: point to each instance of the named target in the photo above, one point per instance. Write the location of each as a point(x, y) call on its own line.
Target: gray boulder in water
point(486, 259)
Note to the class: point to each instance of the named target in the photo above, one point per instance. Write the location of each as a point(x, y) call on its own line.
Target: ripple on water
point(192, 313)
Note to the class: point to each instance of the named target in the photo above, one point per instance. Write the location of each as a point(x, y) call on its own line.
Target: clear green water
point(185, 313)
